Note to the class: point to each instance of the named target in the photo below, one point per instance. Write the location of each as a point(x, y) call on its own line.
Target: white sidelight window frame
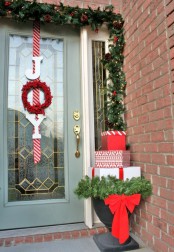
point(86, 37)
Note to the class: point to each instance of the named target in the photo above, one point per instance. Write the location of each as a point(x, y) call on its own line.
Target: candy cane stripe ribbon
point(36, 95)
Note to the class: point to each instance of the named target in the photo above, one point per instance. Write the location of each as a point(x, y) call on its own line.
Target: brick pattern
point(149, 68)
point(75, 234)
point(85, 3)
point(170, 26)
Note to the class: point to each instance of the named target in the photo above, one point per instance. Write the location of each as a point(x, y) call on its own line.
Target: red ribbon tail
point(116, 225)
point(120, 225)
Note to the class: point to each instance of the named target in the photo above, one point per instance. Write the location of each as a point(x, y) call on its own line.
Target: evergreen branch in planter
point(102, 188)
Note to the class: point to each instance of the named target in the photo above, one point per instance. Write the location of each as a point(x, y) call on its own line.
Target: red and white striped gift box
point(113, 140)
point(112, 159)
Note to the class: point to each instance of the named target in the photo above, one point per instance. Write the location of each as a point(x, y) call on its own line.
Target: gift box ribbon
point(119, 204)
point(121, 173)
point(93, 172)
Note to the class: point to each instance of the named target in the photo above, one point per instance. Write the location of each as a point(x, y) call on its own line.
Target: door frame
point(88, 144)
point(86, 37)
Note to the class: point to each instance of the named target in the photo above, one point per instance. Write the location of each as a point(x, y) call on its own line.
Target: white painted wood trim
point(87, 107)
point(86, 130)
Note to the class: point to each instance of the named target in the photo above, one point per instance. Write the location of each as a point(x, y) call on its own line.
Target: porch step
point(61, 235)
point(46, 234)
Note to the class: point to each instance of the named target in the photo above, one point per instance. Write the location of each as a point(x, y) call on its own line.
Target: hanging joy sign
point(35, 109)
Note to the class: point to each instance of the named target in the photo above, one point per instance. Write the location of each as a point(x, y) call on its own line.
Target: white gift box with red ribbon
point(111, 159)
point(121, 173)
point(113, 140)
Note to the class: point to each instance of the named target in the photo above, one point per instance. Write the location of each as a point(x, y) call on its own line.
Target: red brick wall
point(86, 3)
point(149, 68)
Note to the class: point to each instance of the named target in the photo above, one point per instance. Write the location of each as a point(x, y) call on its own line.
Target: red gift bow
point(118, 205)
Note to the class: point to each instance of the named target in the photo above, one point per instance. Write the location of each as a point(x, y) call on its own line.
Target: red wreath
point(37, 108)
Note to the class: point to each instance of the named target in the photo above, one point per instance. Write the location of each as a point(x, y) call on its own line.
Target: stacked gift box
point(122, 173)
point(114, 159)
point(113, 140)
point(108, 159)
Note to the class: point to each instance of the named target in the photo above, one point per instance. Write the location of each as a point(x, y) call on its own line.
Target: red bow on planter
point(118, 205)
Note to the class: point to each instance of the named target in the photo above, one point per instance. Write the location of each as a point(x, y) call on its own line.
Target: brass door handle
point(77, 153)
point(77, 133)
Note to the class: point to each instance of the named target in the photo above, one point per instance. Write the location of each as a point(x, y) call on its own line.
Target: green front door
point(41, 194)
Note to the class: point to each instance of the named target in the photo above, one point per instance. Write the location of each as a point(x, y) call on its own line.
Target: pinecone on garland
point(117, 24)
point(108, 57)
point(109, 124)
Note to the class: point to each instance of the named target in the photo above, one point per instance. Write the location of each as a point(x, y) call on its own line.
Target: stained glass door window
point(27, 181)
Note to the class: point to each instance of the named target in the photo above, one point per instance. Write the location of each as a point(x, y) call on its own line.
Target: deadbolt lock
point(77, 129)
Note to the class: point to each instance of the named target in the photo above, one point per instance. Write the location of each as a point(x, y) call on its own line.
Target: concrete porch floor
point(61, 238)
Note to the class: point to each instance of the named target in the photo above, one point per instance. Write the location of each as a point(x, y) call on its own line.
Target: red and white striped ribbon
point(113, 132)
point(36, 93)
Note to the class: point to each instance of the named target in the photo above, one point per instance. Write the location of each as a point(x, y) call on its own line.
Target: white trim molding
point(87, 106)
point(86, 119)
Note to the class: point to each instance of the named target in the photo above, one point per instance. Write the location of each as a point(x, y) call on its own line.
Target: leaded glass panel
point(27, 181)
point(98, 51)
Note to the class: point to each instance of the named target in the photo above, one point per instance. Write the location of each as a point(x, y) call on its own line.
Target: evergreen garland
point(22, 11)
point(102, 188)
